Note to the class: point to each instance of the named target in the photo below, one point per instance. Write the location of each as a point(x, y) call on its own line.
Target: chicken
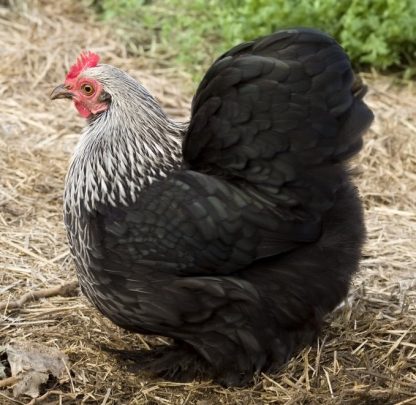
point(235, 234)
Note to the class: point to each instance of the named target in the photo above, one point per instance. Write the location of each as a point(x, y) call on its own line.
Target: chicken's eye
point(87, 89)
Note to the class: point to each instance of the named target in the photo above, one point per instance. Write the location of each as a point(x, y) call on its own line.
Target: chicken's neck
point(121, 152)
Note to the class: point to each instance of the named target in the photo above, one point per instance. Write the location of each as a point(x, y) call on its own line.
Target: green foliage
point(381, 33)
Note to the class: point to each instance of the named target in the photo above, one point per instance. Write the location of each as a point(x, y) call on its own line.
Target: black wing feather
point(202, 225)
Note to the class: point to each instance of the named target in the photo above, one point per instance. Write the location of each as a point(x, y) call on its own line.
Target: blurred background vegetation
point(376, 33)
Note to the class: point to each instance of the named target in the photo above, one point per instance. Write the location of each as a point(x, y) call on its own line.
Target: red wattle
point(84, 111)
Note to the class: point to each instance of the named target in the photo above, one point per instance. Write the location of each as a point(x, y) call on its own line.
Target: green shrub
point(380, 33)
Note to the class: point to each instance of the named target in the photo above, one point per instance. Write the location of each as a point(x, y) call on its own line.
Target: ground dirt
point(367, 353)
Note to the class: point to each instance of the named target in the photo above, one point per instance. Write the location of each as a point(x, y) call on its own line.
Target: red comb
point(85, 60)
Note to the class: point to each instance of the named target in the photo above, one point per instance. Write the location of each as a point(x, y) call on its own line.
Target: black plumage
point(238, 253)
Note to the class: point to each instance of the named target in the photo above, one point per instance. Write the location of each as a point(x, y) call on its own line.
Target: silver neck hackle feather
point(123, 149)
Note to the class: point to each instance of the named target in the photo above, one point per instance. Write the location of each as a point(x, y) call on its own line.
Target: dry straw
point(367, 354)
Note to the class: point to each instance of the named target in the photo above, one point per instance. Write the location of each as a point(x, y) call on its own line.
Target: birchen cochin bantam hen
point(233, 234)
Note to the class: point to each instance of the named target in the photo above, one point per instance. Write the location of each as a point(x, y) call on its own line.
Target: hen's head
point(84, 87)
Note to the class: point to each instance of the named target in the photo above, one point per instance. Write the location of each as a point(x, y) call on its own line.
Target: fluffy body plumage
point(234, 235)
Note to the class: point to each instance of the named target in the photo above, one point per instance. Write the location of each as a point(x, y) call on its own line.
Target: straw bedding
point(367, 353)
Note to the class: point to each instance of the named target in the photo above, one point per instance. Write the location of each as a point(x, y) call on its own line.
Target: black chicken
point(236, 234)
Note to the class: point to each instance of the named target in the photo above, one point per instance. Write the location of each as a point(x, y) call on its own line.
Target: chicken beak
point(61, 91)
